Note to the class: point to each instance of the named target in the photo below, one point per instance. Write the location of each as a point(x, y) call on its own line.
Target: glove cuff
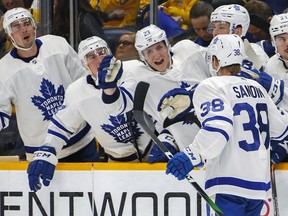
point(166, 136)
point(46, 153)
point(194, 156)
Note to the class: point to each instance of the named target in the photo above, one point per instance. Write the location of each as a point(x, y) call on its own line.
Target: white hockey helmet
point(16, 14)
point(234, 14)
point(91, 44)
point(149, 36)
point(228, 49)
point(278, 25)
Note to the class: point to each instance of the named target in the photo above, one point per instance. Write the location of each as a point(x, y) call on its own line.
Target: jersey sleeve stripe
point(54, 121)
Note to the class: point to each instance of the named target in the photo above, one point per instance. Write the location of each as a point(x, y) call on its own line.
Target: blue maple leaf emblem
point(50, 101)
point(119, 129)
point(184, 85)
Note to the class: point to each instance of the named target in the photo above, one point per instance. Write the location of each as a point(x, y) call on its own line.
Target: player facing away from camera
point(82, 105)
point(34, 76)
point(164, 68)
point(234, 19)
point(237, 119)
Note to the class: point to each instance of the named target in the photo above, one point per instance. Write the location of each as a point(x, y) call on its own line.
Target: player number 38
point(256, 122)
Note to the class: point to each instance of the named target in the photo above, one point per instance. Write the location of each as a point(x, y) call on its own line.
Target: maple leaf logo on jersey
point(120, 130)
point(50, 100)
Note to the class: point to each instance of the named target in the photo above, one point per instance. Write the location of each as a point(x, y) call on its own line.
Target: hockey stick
point(252, 56)
point(129, 116)
point(274, 192)
point(148, 126)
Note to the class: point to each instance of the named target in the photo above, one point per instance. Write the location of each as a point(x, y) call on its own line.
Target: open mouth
point(159, 62)
point(26, 37)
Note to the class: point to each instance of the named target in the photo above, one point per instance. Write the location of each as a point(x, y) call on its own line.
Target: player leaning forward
point(83, 104)
point(238, 118)
point(163, 68)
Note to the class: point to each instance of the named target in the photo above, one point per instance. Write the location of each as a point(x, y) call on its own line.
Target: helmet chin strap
point(281, 58)
point(214, 72)
point(21, 48)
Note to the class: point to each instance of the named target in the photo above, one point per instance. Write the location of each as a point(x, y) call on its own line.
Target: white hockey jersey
point(188, 68)
point(277, 69)
point(83, 104)
point(238, 118)
point(37, 88)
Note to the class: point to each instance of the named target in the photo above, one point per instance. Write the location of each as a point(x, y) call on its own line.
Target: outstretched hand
point(109, 72)
point(179, 99)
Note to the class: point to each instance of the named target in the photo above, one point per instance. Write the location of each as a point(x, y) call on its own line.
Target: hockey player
point(163, 68)
point(234, 19)
point(83, 104)
point(278, 64)
point(275, 80)
point(238, 118)
point(33, 77)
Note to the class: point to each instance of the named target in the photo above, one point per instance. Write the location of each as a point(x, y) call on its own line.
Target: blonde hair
point(234, 68)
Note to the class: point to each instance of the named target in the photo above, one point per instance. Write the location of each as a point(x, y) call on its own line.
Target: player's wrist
point(193, 156)
point(46, 153)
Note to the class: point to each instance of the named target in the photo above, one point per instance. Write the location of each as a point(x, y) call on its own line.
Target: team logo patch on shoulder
point(120, 129)
point(50, 100)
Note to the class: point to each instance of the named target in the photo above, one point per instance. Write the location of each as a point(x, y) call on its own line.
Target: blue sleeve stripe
point(3, 116)
point(76, 138)
point(127, 93)
point(70, 142)
point(58, 135)
point(260, 186)
point(281, 92)
point(55, 122)
point(213, 129)
point(218, 130)
point(222, 118)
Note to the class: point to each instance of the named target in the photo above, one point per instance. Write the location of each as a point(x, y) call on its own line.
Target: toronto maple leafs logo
point(120, 129)
point(50, 100)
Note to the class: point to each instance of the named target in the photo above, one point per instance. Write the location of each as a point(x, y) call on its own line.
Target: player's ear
point(215, 62)
point(238, 30)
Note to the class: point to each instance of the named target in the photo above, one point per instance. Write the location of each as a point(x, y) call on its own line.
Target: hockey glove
point(183, 162)
point(179, 99)
point(248, 71)
point(109, 72)
point(42, 166)
point(279, 151)
point(274, 87)
point(156, 154)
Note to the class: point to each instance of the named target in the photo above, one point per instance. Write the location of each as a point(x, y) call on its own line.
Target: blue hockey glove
point(279, 151)
point(109, 72)
point(183, 162)
point(274, 87)
point(179, 99)
point(156, 154)
point(42, 166)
